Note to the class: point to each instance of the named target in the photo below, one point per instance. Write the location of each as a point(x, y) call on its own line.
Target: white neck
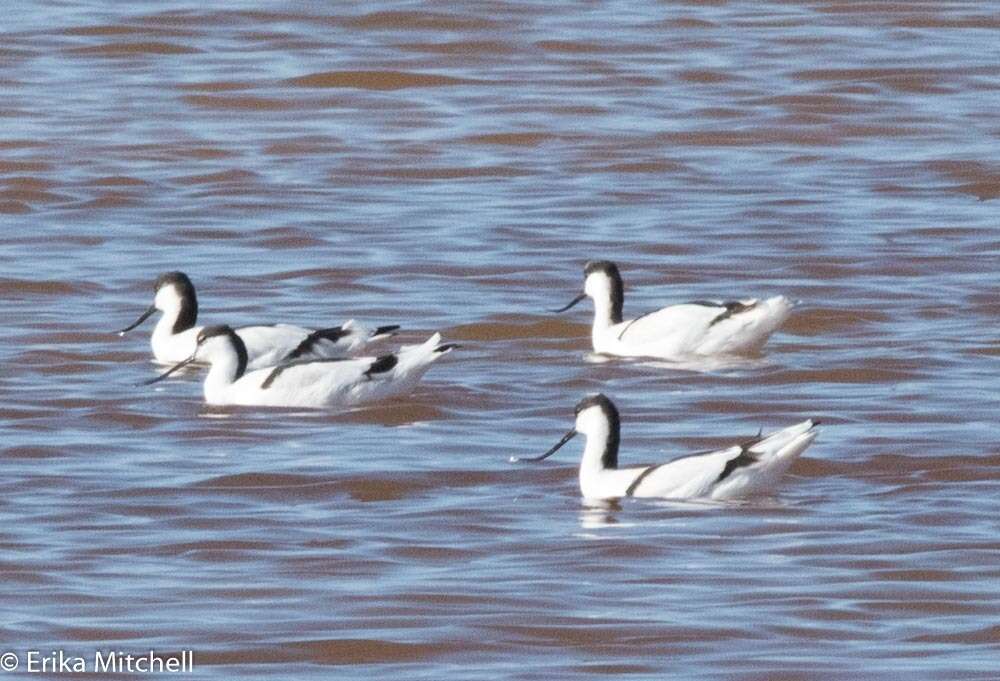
point(591, 468)
point(222, 373)
point(171, 303)
point(165, 326)
point(602, 314)
point(593, 425)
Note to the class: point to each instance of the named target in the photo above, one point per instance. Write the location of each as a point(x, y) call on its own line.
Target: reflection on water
point(451, 167)
point(598, 513)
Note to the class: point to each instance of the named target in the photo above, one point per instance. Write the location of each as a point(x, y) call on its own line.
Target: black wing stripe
point(629, 325)
point(334, 334)
point(743, 459)
point(381, 365)
point(732, 308)
point(639, 478)
point(382, 330)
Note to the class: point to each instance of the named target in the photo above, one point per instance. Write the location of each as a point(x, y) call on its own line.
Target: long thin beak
point(571, 303)
point(143, 317)
point(176, 367)
point(566, 438)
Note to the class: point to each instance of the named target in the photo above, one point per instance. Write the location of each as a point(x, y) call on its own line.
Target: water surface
point(451, 168)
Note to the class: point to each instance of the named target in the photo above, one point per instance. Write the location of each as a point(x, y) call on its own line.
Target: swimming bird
point(267, 345)
point(696, 328)
point(746, 468)
point(311, 383)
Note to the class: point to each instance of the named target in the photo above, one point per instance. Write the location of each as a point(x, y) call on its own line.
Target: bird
point(750, 467)
point(310, 383)
point(698, 328)
point(267, 345)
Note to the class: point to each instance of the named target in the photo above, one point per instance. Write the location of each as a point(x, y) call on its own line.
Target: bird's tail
point(381, 332)
point(745, 330)
point(419, 357)
point(772, 456)
point(784, 446)
point(774, 312)
point(353, 336)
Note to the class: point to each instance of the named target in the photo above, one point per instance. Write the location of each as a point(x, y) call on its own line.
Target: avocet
point(176, 332)
point(689, 329)
point(310, 383)
point(747, 468)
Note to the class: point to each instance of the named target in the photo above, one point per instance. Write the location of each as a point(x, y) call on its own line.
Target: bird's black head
point(213, 331)
point(221, 330)
point(606, 266)
point(178, 280)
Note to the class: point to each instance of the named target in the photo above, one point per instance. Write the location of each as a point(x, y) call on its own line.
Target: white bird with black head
point(747, 468)
point(698, 328)
point(309, 383)
point(176, 332)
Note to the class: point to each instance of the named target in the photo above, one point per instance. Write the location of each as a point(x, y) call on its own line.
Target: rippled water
point(450, 167)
